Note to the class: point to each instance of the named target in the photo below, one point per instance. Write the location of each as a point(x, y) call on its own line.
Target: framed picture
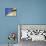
point(10, 11)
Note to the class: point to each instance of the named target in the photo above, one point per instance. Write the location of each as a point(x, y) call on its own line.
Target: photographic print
point(10, 11)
